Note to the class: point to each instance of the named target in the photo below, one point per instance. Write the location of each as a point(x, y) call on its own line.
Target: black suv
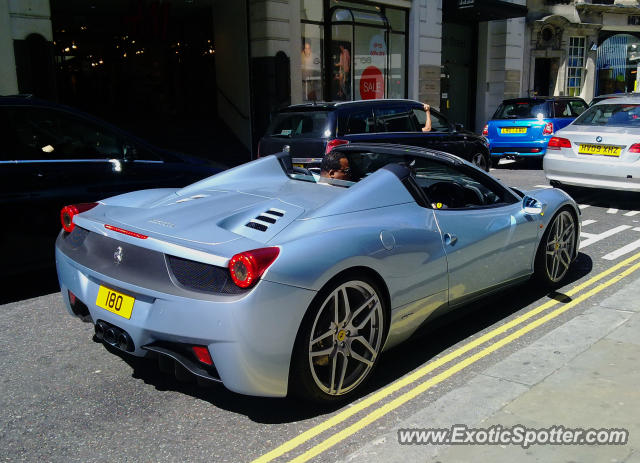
point(308, 131)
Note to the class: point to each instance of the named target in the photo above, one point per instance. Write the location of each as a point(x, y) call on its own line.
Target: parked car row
point(52, 155)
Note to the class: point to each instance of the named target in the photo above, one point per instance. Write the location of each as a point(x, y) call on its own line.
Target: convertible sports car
point(272, 279)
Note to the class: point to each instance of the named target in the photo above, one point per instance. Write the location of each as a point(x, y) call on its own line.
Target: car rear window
point(568, 108)
point(304, 124)
point(523, 109)
point(615, 115)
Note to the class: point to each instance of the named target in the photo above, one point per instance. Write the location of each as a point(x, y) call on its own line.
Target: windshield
point(437, 179)
point(345, 169)
point(304, 124)
point(612, 114)
point(523, 109)
point(444, 186)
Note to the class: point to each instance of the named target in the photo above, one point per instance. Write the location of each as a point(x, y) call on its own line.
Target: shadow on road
point(623, 200)
point(520, 164)
point(434, 338)
point(28, 285)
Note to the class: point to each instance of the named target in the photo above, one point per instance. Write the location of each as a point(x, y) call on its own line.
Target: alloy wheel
point(560, 246)
point(346, 337)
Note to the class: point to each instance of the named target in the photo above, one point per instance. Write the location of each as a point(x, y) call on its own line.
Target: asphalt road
point(66, 398)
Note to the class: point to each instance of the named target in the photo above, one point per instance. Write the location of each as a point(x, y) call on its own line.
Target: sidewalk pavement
point(583, 374)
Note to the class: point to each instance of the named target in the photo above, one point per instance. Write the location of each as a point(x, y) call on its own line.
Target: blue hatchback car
point(521, 127)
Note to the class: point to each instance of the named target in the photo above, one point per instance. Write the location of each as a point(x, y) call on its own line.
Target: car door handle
point(450, 239)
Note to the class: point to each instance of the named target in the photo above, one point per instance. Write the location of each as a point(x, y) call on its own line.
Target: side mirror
point(458, 126)
point(532, 206)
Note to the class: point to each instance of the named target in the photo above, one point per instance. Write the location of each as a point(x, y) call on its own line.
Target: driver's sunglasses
point(346, 171)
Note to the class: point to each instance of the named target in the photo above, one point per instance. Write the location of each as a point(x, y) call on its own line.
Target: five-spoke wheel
point(343, 335)
point(557, 248)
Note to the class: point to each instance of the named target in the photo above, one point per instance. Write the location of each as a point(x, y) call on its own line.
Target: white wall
point(425, 45)
point(18, 20)
point(500, 65)
point(8, 78)
point(30, 17)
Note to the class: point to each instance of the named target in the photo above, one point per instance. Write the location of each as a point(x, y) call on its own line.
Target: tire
point(480, 160)
point(331, 361)
point(556, 249)
point(495, 160)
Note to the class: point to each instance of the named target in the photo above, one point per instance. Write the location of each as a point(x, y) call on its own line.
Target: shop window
point(341, 63)
point(311, 62)
point(396, 66)
point(617, 65)
point(367, 52)
point(575, 65)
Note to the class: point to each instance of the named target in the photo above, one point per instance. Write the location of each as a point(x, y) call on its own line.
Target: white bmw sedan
point(600, 149)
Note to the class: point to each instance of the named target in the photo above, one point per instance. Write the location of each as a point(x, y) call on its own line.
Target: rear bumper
point(594, 173)
point(511, 150)
point(250, 336)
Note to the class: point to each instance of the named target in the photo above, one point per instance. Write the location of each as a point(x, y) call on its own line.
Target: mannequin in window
point(427, 123)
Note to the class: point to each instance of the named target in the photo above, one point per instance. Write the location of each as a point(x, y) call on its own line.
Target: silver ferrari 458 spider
point(273, 279)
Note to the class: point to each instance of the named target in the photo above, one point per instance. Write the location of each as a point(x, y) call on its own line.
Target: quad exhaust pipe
point(114, 336)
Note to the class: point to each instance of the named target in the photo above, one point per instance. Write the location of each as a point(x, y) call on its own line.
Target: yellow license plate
point(113, 301)
point(299, 165)
point(604, 150)
point(513, 130)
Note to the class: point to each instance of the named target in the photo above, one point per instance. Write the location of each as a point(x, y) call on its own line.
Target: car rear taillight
point(67, 213)
point(202, 354)
point(333, 143)
point(485, 131)
point(548, 129)
point(555, 143)
point(635, 148)
point(247, 267)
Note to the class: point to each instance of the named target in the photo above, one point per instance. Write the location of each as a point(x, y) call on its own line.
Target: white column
point(8, 77)
point(500, 65)
point(295, 47)
point(425, 49)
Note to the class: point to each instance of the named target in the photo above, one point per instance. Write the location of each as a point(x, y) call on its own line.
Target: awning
point(480, 10)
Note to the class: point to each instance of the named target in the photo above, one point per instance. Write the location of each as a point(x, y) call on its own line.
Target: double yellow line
point(420, 373)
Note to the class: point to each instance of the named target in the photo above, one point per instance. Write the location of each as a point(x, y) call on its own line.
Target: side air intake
point(266, 219)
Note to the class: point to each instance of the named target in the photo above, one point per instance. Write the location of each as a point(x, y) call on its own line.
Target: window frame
point(582, 42)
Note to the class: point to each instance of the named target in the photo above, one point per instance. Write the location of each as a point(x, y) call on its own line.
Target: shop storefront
point(352, 51)
point(617, 64)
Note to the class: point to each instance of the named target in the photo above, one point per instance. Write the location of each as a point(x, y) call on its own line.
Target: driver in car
point(335, 166)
